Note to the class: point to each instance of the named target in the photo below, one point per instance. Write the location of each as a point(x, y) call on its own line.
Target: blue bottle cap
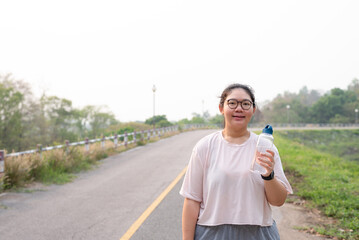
point(268, 129)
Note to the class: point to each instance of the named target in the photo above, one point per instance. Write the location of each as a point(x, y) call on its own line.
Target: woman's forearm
point(189, 218)
point(275, 192)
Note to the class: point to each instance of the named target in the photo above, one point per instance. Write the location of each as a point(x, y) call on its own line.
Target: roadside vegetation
point(323, 168)
point(59, 166)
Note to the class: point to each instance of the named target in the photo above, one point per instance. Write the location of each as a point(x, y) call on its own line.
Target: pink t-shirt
point(219, 177)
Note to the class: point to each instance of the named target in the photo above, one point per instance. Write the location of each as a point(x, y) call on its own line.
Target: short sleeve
point(279, 173)
point(192, 186)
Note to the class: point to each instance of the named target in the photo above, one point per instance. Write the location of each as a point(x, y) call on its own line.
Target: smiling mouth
point(238, 117)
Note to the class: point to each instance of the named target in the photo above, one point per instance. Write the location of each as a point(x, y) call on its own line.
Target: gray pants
point(236, 232)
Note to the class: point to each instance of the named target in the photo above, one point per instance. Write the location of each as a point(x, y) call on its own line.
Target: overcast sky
point(112, 52)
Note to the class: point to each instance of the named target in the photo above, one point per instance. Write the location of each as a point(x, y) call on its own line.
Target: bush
point(16, 173)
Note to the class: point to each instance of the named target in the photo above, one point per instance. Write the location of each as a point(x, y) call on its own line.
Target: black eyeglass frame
point(244, 107)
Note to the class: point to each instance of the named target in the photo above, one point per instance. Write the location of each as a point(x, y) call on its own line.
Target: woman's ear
point(220, 106)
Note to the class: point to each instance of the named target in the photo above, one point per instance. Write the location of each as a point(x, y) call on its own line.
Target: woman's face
point(237, 117)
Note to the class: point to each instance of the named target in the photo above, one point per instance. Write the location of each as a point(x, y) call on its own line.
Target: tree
point(80, 125)
point(308, 98)
point(217, 119)
point(258, 116)
point(354, 87)
point(97, 120)
point(197, 119)
point(11, 126)
point(332, 105)
point(206, 116)
point(277, 110)
point(26, 121)
point(290, 107)
point(58, 112)
point(184, 121)
point(158, 121)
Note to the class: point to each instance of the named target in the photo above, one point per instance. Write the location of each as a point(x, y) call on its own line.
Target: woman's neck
point(236, 136)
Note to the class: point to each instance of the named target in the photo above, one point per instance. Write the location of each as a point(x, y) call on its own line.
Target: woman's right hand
point(266, 160)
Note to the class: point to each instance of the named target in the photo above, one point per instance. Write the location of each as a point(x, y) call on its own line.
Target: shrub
point(16, 172)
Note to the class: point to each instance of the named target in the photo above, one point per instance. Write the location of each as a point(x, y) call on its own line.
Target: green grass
point(326, 177)
point(51, 175)
point(342, 143)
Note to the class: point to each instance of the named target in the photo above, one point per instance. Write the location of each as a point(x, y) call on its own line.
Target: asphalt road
point(104, 203)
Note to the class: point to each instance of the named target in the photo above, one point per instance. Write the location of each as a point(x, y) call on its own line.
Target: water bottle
point(264, 143)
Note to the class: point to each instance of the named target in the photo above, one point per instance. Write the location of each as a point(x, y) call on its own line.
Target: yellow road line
point(152, 207)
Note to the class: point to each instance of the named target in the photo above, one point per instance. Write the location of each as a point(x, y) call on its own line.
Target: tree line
point(49, 120)
point(26, 121)
point(309, 106)
point(306, 106)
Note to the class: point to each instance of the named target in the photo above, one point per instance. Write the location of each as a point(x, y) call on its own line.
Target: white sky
point(112, 52)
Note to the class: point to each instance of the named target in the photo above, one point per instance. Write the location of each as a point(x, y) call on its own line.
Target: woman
point(224, 199)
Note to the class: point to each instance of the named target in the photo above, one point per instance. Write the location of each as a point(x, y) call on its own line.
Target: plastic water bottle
point(264, 143)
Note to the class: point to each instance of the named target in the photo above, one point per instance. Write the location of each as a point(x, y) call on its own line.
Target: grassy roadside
point(324, 177)
point(59, 166)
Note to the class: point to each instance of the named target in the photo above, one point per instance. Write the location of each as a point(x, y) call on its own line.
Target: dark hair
point(229, 89)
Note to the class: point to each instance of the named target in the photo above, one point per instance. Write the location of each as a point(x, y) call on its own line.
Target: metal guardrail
point(153, 132)
point(308, 125)
point(144, 133)
point(281, 125)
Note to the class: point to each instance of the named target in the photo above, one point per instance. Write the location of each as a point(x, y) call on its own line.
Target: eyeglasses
point(245, 104)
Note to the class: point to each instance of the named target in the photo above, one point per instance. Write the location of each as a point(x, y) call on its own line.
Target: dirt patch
point(303, 218)
point(296, 221)
point(28, 188)
point(36, 186)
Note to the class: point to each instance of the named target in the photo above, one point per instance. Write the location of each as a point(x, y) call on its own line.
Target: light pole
point(288, 107)
point(356, 115)
point(202, 108)
point(154, 91)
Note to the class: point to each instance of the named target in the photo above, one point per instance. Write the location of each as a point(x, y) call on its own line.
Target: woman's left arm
point(275, 191)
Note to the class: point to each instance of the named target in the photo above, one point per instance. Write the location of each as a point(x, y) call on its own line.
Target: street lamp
point(356, 115)
point(154, 91)
point(288, 107)
point(202, 108)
